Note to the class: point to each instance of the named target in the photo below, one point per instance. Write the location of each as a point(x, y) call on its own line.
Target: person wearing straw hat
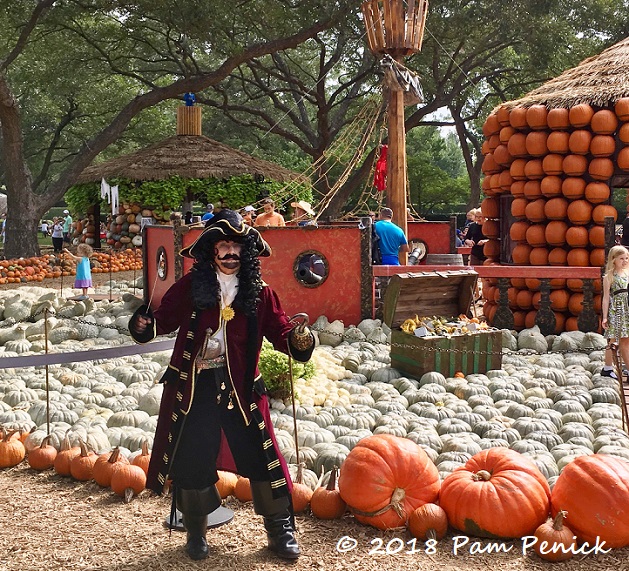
point(214, 412)
point(302, 213)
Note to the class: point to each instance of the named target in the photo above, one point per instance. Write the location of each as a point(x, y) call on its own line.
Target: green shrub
point(273, 367)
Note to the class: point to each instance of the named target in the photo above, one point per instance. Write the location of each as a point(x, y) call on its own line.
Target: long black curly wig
point(205, 287)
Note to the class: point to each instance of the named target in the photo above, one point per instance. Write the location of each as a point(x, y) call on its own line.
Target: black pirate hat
point(226, 225)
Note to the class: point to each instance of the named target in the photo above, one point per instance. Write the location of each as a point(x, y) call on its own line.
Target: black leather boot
point(194, 506)
point(278, 520)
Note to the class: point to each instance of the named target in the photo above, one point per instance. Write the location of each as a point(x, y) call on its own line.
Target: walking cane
point(613, 347)
point(301, 320)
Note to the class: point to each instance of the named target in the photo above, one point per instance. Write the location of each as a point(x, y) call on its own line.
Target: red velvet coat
point(174, 313)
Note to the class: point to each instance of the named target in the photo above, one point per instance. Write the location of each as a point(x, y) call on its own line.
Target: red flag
point(380, 175)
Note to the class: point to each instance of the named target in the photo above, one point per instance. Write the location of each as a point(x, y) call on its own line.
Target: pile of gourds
point(125, 228)
point(557, 164)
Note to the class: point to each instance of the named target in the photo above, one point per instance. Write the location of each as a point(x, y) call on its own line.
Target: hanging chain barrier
point(427, 348)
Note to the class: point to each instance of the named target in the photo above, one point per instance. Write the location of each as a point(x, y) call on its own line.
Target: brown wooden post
point(396, 165)
point(396, 28)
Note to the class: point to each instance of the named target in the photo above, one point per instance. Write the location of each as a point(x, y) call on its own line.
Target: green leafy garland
point(169, 194)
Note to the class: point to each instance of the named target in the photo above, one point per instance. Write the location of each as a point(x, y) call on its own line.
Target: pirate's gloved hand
point(142, 324)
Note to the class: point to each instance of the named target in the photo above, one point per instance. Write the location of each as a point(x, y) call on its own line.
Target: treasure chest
point(447, 294)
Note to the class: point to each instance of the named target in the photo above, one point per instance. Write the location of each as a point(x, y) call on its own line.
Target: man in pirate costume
point(214, 412)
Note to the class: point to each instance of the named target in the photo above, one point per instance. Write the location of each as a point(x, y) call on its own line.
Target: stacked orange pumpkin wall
point(557, 164)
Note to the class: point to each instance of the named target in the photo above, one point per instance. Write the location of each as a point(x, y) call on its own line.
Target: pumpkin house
point(552, 161)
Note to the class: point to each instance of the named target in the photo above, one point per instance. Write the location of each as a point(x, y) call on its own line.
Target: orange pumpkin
point(604, 122)
point(556, 208)
point(623, 133)
point(518, 207)
point(574, 165)
point(535, 210)
point(580, 212)
point(602, 146)
point(521, 254)
point(226, 483)
point(558, 142)
point(558, 119)
point(603, 211)
point(577, 236)
point(490, 207)
point(326, 503)
point(581, 115)
point(127, 479)
point(575, 305)
point(532, 189)
point(594, 490)
point(502, 114)
point(517, 118)
point(596, 237)
point(535, 235)
point(551, 186)
point(143, 459)
point(429, 521)
point(580, 140)
point(12, 451)
point(490, 166)
point(384, 478)
point(104, 467)
point(557, 257)
point(554, 541)
point(578, 257)
point(539, 256)
point(498, 493)
point(82, 466)
point(601, 168)
point(65, 456)
point(556, 233)
point(491, 125)
point(537, 117)
point(242, 489)
point(597, 257)
point(597, 192)
point(502, 156)
point(517, 145)
point(506, 133)
point(552, 164)
point(621, 108)
point(534, 169)
point(573, 188)
point(536, 145)
point(559, 299)
point(517, 231)
point(516, 170)
point(42, 457)
point(623, 159)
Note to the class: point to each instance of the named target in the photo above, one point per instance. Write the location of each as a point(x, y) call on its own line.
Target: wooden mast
point(396, 27)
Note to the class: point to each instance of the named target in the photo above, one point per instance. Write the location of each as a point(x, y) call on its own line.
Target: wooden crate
point(446, 294)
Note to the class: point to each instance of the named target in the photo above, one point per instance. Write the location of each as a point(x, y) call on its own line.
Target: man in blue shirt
point(209, 214)
point(392, 240)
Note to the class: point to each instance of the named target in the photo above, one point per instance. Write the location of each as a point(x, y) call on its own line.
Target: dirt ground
point(56, 524)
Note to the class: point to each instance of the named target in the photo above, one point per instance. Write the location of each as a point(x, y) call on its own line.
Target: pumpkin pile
point(39, 268)
point(557, 164)
point(125, 229)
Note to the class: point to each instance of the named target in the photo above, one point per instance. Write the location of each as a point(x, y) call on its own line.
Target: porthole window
point(311, 268)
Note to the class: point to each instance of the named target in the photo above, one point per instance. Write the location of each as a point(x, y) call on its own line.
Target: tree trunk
point(22, 226)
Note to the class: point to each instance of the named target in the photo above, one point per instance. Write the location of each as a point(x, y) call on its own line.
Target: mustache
point(230, 257)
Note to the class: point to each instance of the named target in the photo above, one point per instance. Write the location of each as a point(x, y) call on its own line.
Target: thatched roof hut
point(188, 156)
point(599, 81)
